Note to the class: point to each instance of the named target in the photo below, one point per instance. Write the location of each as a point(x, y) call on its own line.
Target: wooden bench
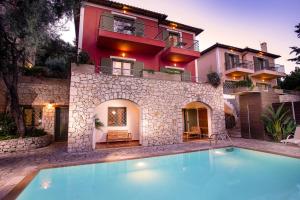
point(118, 136)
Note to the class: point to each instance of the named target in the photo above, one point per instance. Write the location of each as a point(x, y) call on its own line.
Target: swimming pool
point(237, 174)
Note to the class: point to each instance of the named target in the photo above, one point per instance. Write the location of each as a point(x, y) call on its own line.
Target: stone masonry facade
point(160, 102)
point(35, 91)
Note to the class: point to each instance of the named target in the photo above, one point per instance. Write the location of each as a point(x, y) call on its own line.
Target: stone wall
point(160, 101)
point(24, 144)
point(40, 92)
point(289, 98)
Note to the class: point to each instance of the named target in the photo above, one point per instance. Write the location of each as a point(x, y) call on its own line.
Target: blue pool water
point(205, 175)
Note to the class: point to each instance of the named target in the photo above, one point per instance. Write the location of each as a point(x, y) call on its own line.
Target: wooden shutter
point(107, 21)
point(227, 63)
point(256, 63)
point(106, 66)
point(186, 76)
point(165, 34)
point(137, 69)
point(139, 27)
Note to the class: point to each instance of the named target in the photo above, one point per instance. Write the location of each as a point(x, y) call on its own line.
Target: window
point(264, 86)
point(32, 116)
point(261, 63)
point(122, 67)
point(117, 116)
point(232, 61)
point(124, 25)
point(174, 38)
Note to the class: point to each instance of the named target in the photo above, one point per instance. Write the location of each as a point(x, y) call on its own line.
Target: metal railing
point(130, 27)
point(271, 67)
point(140, 73)
point(182, 43)
point(240, 64)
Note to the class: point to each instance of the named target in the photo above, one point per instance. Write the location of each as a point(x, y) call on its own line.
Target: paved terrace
point(15, 166)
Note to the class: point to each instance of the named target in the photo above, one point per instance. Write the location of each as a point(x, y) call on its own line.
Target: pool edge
point(17, 190)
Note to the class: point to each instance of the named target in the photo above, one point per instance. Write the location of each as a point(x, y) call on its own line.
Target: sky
point(238, 23)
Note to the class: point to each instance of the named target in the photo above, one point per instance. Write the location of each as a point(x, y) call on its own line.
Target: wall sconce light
point(113, 112)
point(175, 64)
point(263, 80)
point(124, 11)
point(234, 78)
point(50, 104)
point(123, 54)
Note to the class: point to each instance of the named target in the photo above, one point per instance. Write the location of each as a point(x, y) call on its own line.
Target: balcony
point(269, 72)
point(165, 75)
point(183, 50)
point(129, 36)
point(239, 69)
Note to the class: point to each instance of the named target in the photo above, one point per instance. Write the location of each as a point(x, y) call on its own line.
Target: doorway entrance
point(61, 124)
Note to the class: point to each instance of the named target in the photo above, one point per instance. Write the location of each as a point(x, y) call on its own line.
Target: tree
point(296, 50)
point(278, 122)
point(291, 81)
point(23, 26)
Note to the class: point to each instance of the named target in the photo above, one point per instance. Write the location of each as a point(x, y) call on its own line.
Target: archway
point(120, 121)
point(196, 121)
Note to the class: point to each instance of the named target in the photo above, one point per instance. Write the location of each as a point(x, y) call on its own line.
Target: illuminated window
point(117, 116)
point(32, 116)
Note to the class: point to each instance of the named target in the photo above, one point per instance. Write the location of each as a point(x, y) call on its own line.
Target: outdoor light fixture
point(123, 54)
point(175, 64)
point(50, 104)
point(124, 11)
point(113, 112)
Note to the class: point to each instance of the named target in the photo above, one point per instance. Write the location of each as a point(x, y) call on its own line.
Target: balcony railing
point(130, 27)
point(240, 64)
point(147, 74)
point(271, 67)
point(182, 43)
point(250, 65)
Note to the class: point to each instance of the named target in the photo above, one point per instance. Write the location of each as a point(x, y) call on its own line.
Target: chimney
point(264, 47)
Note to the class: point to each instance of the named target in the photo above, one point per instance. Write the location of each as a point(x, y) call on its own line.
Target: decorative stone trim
point(22, 144)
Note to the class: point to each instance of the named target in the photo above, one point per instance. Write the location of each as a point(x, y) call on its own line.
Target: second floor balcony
point(129, 35)
point(179, 49)
point(239, 68)
point(268, 71)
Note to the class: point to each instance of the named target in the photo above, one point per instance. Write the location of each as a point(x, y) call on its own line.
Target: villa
point(141, 82)
point(144, 80)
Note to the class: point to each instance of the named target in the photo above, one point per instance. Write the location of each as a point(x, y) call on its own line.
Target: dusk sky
point(238, 23)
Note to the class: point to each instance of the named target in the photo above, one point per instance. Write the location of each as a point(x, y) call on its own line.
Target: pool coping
point(17, 190)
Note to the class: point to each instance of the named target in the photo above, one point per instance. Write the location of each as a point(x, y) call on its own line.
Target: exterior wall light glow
point(123, 54)
point(113, 112)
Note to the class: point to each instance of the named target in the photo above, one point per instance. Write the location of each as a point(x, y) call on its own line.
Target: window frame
point(116, 124)
point(124, 20)
point(122, 61)
point(33, 118)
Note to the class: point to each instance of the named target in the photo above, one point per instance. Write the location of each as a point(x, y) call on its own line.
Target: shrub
point(229, 121)
point(150, 71)
point(214, 79)
point(84, 58)
point(57, 64)
point(34, 71)
point(8, 129)
point(170, 71)
point(278, 123)
point(35, 132)
point(98, 123)
point(244, 83)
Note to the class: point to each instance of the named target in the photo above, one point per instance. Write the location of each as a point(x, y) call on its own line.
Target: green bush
point(214, 79)
point(35, 132)
point(170, 71)
point(34, 71)
point(150, 71)
point(244, 83)
point(8, 127)
point(278, 123)
point(84, 58)
point(229, 121)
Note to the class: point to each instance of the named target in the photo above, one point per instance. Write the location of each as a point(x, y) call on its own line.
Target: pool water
point(234, 174)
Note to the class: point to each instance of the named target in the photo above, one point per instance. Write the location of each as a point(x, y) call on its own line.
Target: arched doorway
point(196, 121)
point(120, 124)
